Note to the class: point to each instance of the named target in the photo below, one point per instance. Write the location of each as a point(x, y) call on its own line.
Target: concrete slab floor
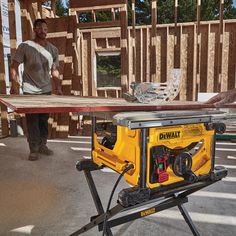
point(50, 197)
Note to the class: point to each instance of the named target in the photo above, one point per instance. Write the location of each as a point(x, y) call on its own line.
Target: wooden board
point(92, 3)
point(57, 104)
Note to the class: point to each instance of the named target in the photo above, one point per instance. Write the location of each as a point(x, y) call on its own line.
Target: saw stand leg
point(87, 166)
point(188, 220)
point(96, 198)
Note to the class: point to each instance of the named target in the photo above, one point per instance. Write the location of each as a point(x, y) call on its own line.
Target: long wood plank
point(57, 104)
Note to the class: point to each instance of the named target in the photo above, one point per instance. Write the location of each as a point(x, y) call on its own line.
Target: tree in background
point(61, 10)
point(187, 11)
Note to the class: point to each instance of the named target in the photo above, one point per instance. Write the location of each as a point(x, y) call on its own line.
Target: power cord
point(129, 167)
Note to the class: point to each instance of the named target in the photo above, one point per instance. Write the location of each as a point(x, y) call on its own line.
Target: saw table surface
point(56, 104)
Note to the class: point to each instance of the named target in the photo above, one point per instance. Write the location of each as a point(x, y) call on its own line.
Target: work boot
point(45, 150)
point(33, 156)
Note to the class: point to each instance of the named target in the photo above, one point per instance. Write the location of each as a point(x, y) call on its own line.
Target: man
point(40, 59)
point(223, 98)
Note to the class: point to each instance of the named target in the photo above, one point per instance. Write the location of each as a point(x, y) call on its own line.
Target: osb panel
point(225, 61)
point(211, 59)
point(231, 56)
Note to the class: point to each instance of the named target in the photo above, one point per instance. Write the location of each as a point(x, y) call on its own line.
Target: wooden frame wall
point(194, 51)
point(89, 44)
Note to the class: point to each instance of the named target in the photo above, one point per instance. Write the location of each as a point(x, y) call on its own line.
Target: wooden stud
point(198, 46)
point(124, 47)
point(176, 59)
point(153, 61)
point(94, 16)
point(220, 47)
point(113, 14)
point(133, 41)
point(225, 59)
point(53, 8)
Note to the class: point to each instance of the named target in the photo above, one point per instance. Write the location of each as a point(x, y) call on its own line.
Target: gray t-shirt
point(38, 61)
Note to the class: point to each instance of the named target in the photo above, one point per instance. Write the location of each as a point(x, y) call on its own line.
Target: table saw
point(164, 151)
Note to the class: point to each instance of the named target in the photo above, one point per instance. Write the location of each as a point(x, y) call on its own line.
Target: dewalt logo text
point(148, 212)
point(169, 135)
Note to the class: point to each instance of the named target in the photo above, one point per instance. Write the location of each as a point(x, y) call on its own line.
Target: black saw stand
point(147, 201)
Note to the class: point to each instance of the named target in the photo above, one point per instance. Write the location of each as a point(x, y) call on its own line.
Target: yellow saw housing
point(176, 139)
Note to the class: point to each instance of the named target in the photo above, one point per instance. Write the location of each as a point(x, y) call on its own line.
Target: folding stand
point(163, 198)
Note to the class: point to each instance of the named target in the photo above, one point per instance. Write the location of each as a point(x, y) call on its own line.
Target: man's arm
point(223, 98)
point(15, 84)
point(56, 82)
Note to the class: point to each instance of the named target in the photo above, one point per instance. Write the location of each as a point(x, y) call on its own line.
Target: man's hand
point(56, 82)
point(15, 87)
point(223, 98)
